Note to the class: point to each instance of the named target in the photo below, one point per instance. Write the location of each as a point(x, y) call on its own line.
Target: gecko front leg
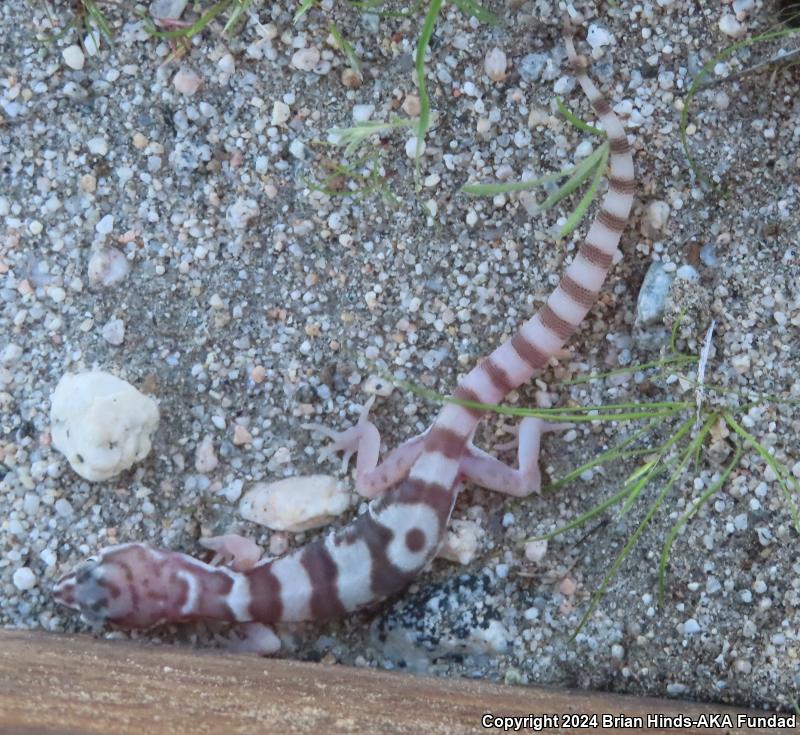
point(364, 440)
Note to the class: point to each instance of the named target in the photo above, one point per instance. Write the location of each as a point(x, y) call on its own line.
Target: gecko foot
point(253, 638)
point(237, 552)
point(362, 438)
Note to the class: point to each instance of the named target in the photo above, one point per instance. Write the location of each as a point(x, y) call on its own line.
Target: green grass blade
point(682, 521)
point(584, 517)
point(424, 102)
point(577, 215)
point(99, 19)
point(241, 7)
point(615, 452)
point(472, 9)
point(513, 186)
point(346, 48)
point(787, 485)
point(631, 542)
point(695, 87)
point(197, 27)
point(678, 359)
point(576, 121)
point(580, 173)
point(302, 9)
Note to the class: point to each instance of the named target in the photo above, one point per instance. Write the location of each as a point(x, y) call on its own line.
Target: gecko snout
point(87, 590)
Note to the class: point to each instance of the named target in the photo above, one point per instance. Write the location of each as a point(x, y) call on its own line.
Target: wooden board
point(76, 685)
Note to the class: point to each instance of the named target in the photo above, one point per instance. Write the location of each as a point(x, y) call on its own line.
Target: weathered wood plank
point(76, 685)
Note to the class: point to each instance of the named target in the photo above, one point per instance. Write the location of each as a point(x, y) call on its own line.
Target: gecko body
point(412, 491)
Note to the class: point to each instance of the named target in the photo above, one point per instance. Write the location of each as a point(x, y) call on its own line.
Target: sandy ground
point(254, 300)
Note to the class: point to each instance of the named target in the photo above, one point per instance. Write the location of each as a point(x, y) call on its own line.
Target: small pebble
point(186, 81)
point(167, 9)
point(97, 146)
point(73, 57)
point(114, 331)
point(536, 550)
point(411, 105)
point(731, 27)
point(691, 626)
point(411, 147)
point(567, 587)
point(656, 216)
point(280, 113)
point(241, 435)
point(24, 579)
point(107, 266)
point(205, 459)
point(494, 64)
point(597, 36)
point(241, 212)
point(461, 542)
point(653, 295)
point(362, 113)
point(105, 225)
point(306, 59)
point(10, 354)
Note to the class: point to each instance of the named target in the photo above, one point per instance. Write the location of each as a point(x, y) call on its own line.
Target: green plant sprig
point(589, 169)
point(696, 86)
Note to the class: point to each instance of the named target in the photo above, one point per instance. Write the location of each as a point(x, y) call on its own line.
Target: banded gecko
point(412, 491)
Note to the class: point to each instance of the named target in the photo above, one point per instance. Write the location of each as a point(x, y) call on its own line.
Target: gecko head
point(103, 588)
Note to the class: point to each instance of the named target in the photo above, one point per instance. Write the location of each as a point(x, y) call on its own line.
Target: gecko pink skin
point(413, 490)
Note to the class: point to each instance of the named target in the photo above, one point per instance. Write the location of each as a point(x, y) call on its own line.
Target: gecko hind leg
point(364, 440)
point(489, 472)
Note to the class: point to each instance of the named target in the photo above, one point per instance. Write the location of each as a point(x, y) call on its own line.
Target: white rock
point(296, 503)
point(494, 64)
point(411, 147)
point(731, 27)
point(167, 9)
point(687, 273)
point(280, 113)
point(105, 225)
point(107, 266)
point(114, 331)
point(73, 57)
point(741, 363)
point(691, 626)
point(598, 36)
point(536, 550)
point(656, 216)
point(24, 579)
point(91, 43)
point(362, 113)
point(743, 6)
point(186, 81)
point(10, 353)
point(461, 542)
point(205, 459)
point(101, 424)
point(97, 146)
point(306, 58)
point(297, 149)
point(378, 385)
point(227, 64)
point(241, 212)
